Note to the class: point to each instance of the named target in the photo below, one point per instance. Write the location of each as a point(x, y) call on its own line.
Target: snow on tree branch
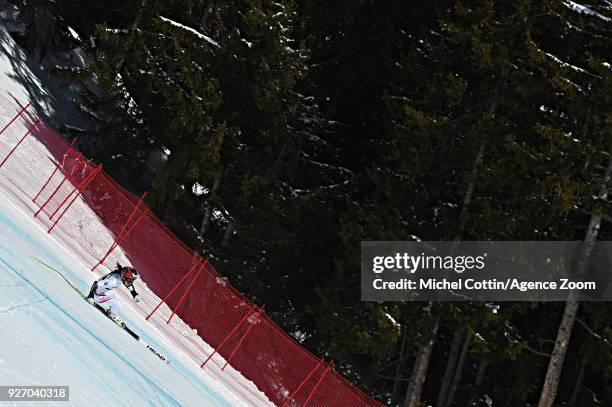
point(579, 8)
point(191, 30)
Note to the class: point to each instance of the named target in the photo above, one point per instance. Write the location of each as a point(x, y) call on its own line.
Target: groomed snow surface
point(50, 336)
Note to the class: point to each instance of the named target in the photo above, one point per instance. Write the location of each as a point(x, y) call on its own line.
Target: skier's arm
point(135, 295)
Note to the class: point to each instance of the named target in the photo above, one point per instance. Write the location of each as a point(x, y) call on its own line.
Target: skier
point(102, 290)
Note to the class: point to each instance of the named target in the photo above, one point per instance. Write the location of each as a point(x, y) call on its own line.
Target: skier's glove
point(137, 298)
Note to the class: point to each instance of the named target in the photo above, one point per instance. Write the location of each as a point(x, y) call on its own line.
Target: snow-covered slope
point(23, 79)
point(50, 336)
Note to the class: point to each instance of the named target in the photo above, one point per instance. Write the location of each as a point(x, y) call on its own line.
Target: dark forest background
point(274, 136)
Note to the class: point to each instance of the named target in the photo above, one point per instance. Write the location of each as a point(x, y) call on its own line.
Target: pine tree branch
point(596, 335)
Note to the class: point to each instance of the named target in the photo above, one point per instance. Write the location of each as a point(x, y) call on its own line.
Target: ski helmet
point(129, 274)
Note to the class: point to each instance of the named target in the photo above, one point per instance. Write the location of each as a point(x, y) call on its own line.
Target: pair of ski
point(122, 325)
point(128, 330)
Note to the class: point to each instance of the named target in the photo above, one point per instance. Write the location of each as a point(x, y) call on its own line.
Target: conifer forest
point(275, 135)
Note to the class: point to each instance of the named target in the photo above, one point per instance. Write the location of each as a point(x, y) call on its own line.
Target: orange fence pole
point(187, 290)
point(317, 385)
point(230, 334)
point(20, 141)
point(119, 238)
point(51, 196)
point(244, 335)
point(23, 109)
point(82, 184)
point(292, 395)
point(57, 167)
point(193, 266)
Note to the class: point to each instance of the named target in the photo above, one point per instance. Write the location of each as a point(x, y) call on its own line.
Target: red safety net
point(101, 223)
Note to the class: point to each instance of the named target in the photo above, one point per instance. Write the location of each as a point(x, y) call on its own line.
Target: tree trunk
point(564, 333)
point(419, 370)
point(227, 235)
point(207, 13)
point(167, 177)
point(272, 173)
point(482, 368)
point(555, 365)
point(578, 386)
point(450, 367)
point(459, 371)
point(130, 38)
point(44, 27)
point(205, 221)
point(424, 354)
point(207, 208)
point(398, 371)
point(469, 193)
point(206, 217)
point(420, 366)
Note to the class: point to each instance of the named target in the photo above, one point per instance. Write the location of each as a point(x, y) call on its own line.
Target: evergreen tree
point(275, 136)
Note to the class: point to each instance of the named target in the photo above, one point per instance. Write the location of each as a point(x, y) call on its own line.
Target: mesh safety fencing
point(101, 223)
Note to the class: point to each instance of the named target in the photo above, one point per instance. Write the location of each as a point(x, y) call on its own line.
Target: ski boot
point(115, 319)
